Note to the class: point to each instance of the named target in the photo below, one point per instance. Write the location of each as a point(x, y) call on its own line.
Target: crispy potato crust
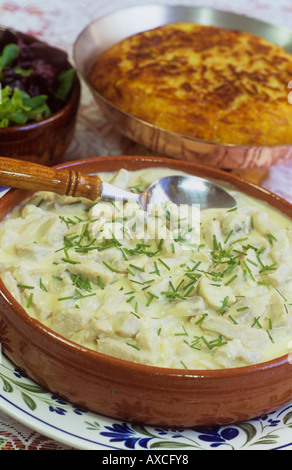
point(205, 82)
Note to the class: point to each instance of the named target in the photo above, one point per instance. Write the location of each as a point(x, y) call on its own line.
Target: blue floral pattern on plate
point(58, 419)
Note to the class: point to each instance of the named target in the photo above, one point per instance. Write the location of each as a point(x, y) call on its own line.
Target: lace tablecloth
point(59, 22)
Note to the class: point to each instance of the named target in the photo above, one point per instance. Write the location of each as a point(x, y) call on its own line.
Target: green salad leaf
point(65, 82)
point(17, 107)
point(9, 54)
point(32, 85)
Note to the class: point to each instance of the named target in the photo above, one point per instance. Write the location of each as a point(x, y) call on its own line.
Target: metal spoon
point(178, 189)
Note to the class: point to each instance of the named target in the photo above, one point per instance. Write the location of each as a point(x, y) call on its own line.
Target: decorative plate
point(34, 406)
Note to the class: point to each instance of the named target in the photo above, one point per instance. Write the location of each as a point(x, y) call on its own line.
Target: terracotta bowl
point(42, 142)
point(134, 392)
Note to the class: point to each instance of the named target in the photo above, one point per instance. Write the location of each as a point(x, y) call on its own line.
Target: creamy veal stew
point(164, 296)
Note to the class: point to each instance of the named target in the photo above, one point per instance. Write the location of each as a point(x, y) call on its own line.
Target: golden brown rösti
point(205, 82)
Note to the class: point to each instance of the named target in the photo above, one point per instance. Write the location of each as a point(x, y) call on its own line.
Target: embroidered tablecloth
point(59, 22)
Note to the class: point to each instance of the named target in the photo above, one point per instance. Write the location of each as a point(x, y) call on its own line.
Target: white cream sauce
point(217, 294)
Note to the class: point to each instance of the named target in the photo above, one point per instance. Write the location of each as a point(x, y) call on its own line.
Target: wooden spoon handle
point(26, 175)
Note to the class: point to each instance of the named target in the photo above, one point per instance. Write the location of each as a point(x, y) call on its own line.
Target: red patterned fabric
point(16, 436)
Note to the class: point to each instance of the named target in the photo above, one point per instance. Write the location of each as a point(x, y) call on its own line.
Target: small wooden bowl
point(135, 392)
point(45, 141)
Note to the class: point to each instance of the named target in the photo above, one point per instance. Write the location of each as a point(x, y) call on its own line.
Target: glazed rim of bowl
point(98, 362)
point(75, 93)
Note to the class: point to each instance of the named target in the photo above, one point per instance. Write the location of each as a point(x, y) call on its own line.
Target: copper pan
point(103, 32)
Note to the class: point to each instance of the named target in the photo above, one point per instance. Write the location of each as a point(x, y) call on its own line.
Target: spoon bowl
point(187, 190)
point(177, 189)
